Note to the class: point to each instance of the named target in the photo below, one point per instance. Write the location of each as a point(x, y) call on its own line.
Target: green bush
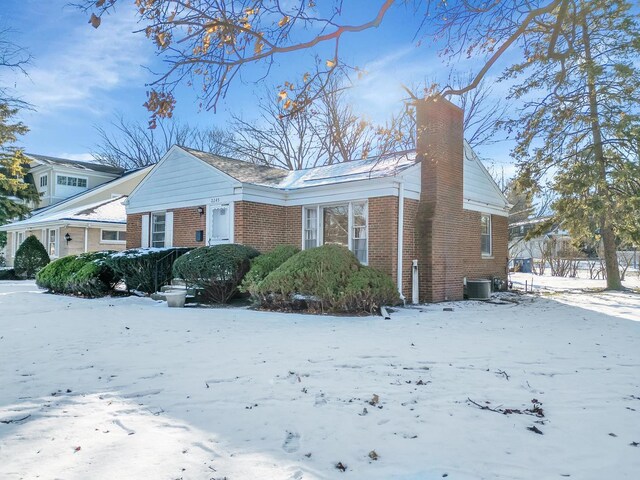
point(218, 270)
point(87, 274)
point(318, 274)
point(327, 279)
point(265, 264)
point(368, 290)
point(142, 268)
point(8, 274)
point(31, 256)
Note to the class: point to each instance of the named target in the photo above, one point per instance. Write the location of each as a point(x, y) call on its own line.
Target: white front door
point(221, 224)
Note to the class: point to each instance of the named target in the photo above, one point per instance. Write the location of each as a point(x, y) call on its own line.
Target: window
point(311, 228)
point(114, 236)
point(19, 238)
point(220, 223)
point(336, 225)
point(158, 224)
point(43, 181)
point(344, 224)
point(52, 242)
point(359, 231)
point(485, 235)
point(72, 181)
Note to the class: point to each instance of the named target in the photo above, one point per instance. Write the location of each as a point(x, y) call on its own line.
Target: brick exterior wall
point(186, 221)
point(134, 230)
point(383, 234)
point(475, 266)
point(264, 227)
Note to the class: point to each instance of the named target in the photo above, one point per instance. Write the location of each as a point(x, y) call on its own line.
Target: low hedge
point(8, 274)
point(31, 256)
point(137, 267)
point(217, 270)
point(87, 274)
point(326, 279)
point(265, 264)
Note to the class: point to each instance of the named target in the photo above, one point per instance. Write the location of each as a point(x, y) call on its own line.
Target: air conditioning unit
point(478, 289)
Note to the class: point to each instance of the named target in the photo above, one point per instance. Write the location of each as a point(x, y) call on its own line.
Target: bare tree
point(12, 58)
point(133, 145)
point(327, 132)
point(286, 141)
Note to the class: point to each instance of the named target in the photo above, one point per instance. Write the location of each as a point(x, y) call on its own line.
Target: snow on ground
point(125, 388)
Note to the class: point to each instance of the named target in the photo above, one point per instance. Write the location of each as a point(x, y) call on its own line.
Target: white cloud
point(79, 68)
point(379, 92)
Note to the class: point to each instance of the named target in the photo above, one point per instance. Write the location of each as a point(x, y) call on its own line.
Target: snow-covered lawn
point(125, 388)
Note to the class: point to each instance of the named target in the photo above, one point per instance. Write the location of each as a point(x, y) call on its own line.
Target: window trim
point(44, 180)
point(320, 226)
point(164, 232)
point(17, 244)
point(490, 235)
point(113, 242)
point(56, 243)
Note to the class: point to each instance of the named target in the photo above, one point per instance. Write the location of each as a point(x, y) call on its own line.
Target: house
point(433, 216)
point(58, 178)
point(89, 221)
point(553, 241)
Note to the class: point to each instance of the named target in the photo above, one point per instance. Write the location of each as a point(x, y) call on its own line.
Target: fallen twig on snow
point(535, 411)
point(15, 420)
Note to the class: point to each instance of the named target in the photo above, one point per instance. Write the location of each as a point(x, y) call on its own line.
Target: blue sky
point(81, 77)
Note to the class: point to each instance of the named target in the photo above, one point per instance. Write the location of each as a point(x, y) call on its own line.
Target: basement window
point(485, 235)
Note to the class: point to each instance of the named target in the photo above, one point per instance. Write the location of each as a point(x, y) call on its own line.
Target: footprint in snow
point(291, 442)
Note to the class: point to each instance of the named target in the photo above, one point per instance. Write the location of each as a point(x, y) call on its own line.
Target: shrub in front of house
point(142, 269)
point(31, 256)
point(8, 274)
point(265, 264)
point(369, 289)
point(326, 279)
point(217, 270)
point(87, 274)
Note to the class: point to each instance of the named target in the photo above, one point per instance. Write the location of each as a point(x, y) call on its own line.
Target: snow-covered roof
point(377, 167)
point(106, 211)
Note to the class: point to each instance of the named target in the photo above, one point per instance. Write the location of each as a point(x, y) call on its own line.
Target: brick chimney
point(440, 222)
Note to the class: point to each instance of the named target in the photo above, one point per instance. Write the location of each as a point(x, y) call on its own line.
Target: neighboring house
point(436, 207)
point(58, 178)
point(553, 241)
point(90, 221)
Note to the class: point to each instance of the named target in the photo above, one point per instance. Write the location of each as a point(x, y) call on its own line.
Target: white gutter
point(400, 235)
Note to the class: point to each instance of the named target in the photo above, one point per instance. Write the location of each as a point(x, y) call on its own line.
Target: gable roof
point(96, 167)
point(79, 197)
point(241, 170)
point(368, 168)
point(105, 211)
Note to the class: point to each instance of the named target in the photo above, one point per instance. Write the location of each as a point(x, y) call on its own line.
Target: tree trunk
point(602, 187)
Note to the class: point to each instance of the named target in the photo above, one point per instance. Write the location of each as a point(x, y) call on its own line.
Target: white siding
point(179, 179)
point(480, 191)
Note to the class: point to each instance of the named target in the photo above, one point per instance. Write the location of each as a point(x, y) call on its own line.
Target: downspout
point(86, 239)
point(400, 236)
